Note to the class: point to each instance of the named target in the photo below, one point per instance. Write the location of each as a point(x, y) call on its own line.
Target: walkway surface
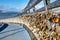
point(14, 32)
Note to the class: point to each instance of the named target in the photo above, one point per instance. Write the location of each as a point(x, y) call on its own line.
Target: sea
point(13, 31)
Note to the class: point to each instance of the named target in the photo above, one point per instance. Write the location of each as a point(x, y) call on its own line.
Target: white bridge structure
point(30, 23)
point(25, 21)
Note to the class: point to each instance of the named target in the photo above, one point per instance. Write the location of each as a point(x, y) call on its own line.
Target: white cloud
point(9, 7)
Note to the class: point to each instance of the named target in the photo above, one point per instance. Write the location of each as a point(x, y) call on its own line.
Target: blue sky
point(13, 5)
point(17, 5)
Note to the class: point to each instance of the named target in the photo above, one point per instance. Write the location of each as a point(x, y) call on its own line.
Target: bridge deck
point(35, 23)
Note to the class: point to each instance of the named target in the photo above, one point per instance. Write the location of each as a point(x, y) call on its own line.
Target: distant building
point(0, 11)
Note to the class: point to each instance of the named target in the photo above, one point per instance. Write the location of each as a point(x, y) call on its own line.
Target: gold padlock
point(55, 19)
